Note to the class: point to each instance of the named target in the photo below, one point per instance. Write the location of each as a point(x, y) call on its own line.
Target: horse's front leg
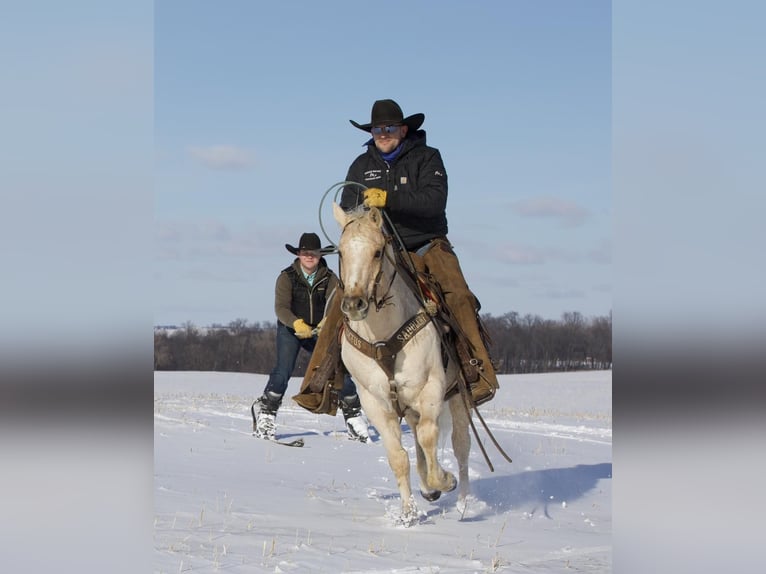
point(420, 458)
point(399, 461)
point(387, 423)
point(433, 477)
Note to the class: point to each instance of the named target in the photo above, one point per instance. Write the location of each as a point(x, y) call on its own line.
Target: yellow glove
point(374, 197)
point(302, 331)
point(320, 325)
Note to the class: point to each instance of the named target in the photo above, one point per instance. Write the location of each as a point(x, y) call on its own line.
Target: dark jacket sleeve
point(428, 197)
point(283, 300)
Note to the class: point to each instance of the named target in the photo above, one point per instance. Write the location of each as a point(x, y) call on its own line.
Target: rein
point(380, 303)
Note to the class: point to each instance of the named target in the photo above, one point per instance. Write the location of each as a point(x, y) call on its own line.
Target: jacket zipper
point(311, 298)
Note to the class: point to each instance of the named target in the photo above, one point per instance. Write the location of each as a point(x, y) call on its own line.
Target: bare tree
point(527, 344)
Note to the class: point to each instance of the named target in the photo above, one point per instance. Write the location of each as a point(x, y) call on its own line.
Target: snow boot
point(356, 424)
point(264, 421)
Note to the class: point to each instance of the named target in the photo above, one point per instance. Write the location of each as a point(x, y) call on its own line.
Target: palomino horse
point(384, 318)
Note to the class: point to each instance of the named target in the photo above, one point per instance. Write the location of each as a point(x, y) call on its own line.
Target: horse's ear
point(376, 217)
point(340, 216)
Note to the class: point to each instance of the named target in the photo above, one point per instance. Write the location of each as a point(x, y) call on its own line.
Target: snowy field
point(225, 501)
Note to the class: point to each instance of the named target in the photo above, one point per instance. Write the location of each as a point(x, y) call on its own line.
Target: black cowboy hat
point(388, 113)
point(309, 242)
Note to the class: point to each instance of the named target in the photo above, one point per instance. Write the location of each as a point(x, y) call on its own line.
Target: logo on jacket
point(371, 174)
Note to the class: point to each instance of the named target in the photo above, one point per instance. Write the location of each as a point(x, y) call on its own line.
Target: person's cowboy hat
point(309, 242)
point(388, 113)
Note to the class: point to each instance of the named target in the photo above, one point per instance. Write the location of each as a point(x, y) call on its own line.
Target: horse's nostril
point(356, 304)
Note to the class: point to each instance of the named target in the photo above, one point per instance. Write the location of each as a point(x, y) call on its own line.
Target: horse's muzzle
point(354, 307)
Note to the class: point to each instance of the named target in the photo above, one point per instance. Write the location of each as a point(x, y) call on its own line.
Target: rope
point(338, 187)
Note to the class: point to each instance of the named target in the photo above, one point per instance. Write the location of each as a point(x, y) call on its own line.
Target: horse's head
point(361, 249)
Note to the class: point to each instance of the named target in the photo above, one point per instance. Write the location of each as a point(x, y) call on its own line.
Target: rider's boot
point(478, 364)
point(463, 306)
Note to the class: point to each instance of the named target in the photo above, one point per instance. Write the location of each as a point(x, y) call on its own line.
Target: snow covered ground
point(225, 501)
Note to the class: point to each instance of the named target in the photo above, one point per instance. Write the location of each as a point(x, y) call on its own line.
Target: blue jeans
point(288, 347)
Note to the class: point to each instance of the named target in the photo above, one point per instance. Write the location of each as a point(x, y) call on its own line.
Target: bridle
point(380, 255)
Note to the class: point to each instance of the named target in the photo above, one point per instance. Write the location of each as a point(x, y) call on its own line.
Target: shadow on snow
point(540, 488)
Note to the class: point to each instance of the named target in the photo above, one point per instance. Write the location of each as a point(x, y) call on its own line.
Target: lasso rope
point(338, 187)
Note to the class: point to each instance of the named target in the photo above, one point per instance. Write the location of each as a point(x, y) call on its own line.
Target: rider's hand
point(320, 325)
point(374, 197)
point(302, 330)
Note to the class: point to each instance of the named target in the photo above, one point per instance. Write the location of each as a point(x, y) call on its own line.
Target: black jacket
point(416, 186)
point(296, 299)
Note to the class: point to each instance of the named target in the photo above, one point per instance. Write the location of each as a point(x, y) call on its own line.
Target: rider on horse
point(407, 178)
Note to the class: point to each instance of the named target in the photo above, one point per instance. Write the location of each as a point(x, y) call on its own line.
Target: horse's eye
point(378, 254)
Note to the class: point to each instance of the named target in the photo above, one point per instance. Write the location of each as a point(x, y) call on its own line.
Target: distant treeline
point(527, 344)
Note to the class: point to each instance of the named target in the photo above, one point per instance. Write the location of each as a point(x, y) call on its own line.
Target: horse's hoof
point(433, 495)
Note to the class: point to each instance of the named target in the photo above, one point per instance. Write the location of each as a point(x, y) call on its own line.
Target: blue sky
point(251, 109)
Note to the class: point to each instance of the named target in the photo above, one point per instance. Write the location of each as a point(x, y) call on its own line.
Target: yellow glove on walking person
point(302, 330)
point(374, 197)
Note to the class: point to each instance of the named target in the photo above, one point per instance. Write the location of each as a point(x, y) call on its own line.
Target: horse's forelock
point(359, 219)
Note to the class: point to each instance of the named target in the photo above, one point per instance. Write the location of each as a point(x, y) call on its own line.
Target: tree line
point(527, 344)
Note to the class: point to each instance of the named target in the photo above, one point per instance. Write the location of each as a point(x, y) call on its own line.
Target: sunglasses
point(388, 130)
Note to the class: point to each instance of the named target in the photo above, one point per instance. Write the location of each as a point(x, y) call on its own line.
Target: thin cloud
point(570, 214)
point(516, 254)
point(223, 157)
point(521, 255)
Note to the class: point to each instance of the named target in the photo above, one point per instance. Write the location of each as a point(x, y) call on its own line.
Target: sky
point(225, 501)
point(251, 109)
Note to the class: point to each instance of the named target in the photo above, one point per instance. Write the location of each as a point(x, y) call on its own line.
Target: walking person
point(301, 294)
